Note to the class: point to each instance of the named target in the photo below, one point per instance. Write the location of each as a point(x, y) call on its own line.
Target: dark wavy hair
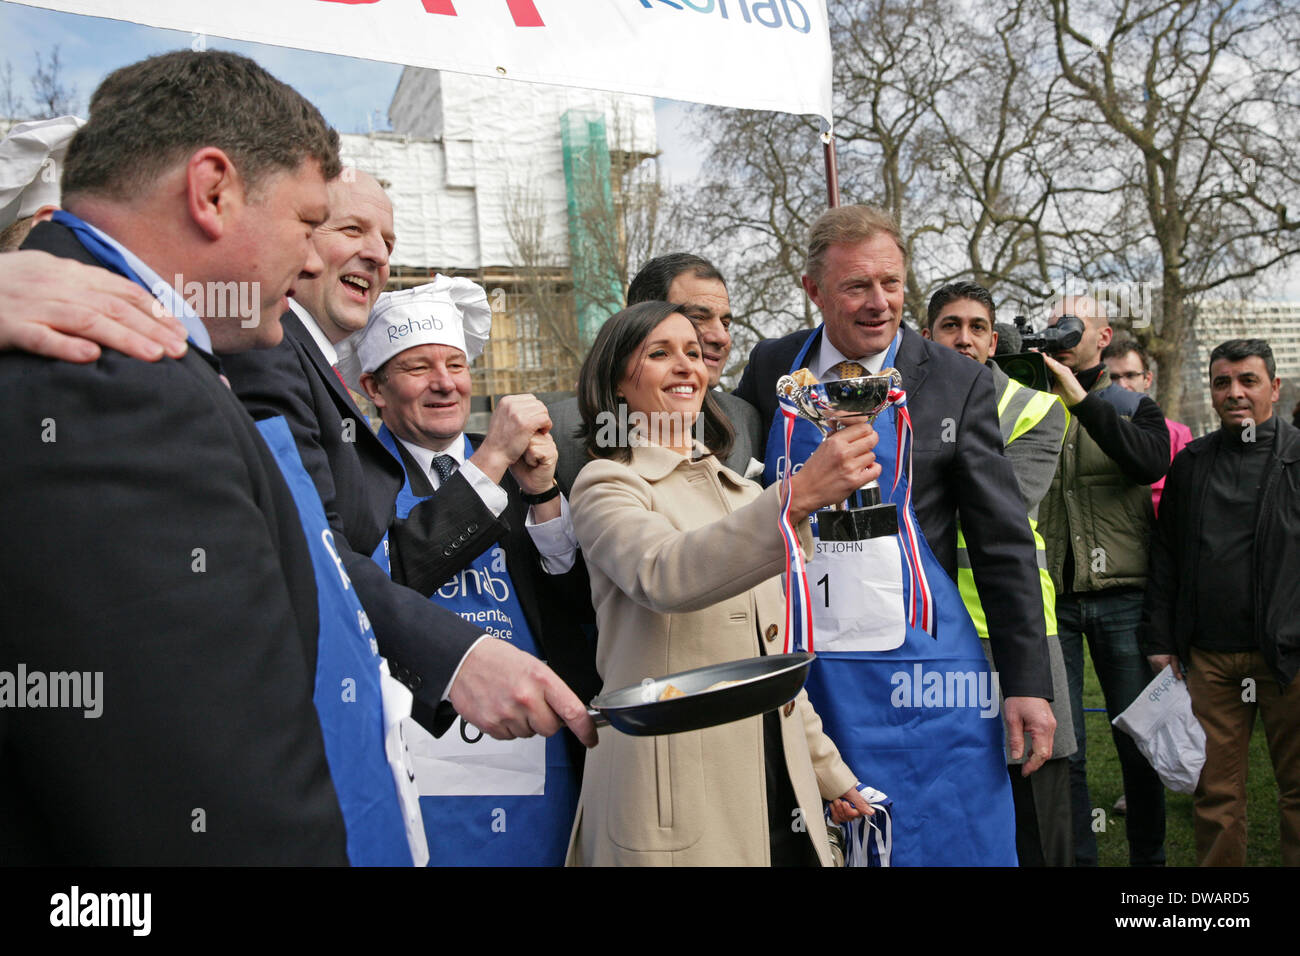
point(148, 116)
point(959, 290)
point(651, 284)
point(1234, 350)
point(620, 338)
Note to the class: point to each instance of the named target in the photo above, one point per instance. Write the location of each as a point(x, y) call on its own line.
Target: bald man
point(1096, 521)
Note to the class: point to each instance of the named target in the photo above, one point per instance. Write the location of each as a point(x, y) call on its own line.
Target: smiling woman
point(650, 361)
point(684, 556)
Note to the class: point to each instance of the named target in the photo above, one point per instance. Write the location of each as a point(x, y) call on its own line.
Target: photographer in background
point(1096, 521)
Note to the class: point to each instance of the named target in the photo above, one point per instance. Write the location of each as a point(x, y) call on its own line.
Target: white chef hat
point(31, 160)
point(445, 311)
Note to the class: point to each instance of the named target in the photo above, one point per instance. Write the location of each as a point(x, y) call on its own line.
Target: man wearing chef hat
point(31, 161)
point(518, 575)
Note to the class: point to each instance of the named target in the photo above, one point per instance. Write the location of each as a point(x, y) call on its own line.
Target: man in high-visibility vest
point(961, 317)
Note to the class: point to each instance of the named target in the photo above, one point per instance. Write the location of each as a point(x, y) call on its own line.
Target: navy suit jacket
point(151, 538)
point(958, 469)
point(556, 606)
point(358, 480)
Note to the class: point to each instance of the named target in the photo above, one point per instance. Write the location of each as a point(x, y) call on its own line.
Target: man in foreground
point(855, 275)
point(1096, 520)
point(442, 658)
point(162, 550)
point(517, 569)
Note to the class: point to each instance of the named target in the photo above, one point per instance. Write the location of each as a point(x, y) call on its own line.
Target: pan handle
point(597, 718)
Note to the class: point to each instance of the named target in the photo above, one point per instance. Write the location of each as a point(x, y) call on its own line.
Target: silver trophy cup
point(833, 405)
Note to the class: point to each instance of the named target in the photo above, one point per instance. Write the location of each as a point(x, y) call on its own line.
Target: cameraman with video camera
point(1096, 521)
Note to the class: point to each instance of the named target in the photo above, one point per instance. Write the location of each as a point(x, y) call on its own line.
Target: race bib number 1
point(857, 595)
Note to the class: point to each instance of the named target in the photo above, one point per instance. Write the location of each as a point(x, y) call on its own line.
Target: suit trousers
point(1220, 685)
point(1110, 621)
point(1043, 821)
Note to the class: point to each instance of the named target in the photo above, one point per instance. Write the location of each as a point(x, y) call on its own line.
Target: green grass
point(1105, 785)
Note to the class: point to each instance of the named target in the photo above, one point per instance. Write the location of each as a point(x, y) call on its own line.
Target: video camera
point(1028, 367)
point(1065, 334)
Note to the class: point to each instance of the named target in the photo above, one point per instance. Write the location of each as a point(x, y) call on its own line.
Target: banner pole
point(832, 171)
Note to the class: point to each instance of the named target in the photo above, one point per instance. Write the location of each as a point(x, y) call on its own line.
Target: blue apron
point(914, 721)
point(485, 829)
point(347, 695)
point(351, 713)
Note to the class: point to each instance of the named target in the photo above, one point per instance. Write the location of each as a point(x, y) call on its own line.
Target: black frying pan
point(765, 683)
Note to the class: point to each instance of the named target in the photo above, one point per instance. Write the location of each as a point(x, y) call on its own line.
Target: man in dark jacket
point(1223, 607)
point(155, 542)
point(1095, 521)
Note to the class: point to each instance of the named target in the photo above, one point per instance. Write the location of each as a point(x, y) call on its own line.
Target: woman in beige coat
point(685, 558)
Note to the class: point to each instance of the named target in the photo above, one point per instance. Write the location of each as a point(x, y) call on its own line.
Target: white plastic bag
point(1162, 724)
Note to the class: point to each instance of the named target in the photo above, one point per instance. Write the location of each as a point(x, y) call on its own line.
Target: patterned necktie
point(444, 467)
point(847, 369)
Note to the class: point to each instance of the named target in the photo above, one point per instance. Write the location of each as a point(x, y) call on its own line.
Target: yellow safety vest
point(1019, 409)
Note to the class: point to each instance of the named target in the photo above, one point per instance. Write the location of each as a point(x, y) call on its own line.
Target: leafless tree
point(622, 213)
point(941, 120)
point(12, 105)
point(1203, 98)
point(1039, 147)
point(52, 94)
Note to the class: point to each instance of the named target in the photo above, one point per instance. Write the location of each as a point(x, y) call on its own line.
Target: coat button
point(770, 633)
point(788, 709)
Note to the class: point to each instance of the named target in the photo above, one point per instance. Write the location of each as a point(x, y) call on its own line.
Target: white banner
point(755, 54)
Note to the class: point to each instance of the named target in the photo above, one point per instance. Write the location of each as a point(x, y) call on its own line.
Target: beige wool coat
point(685, 558)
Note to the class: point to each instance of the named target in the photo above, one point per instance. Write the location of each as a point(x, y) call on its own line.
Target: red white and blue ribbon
point(798, 597)
point(920, 603)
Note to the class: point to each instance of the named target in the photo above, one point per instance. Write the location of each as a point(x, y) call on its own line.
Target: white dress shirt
point(556, 541)
point(167, 294)
point(322, 342)
point(829, 356)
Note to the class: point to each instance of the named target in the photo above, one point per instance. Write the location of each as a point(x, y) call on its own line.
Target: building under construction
point(515, 186)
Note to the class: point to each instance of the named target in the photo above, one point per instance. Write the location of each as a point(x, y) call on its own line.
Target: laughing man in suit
point(437, 654)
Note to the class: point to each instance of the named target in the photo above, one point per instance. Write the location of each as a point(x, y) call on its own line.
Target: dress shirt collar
point(424, 456)
point(828, 355)
point(324, 344)
point(163, 291)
